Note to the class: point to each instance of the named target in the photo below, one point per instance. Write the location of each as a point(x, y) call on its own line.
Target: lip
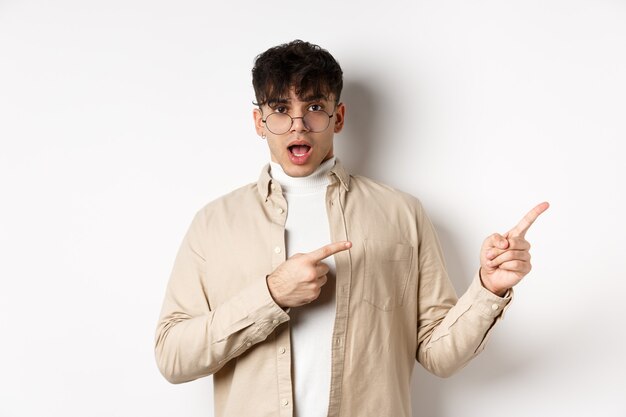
point(299, 159)
point(299, 142)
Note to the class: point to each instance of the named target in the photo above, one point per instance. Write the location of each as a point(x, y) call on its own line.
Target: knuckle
point(503, 257)
point(522, 244)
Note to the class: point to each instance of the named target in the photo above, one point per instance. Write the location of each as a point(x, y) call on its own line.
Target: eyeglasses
point(314, 121)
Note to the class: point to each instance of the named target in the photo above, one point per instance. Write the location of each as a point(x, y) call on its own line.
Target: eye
point(316, 107)
point(280, 109)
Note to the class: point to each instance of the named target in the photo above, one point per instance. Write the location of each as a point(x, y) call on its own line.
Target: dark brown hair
point(308, 68)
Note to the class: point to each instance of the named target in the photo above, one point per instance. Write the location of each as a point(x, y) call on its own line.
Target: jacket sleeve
point(450, 331)
point(194, 340)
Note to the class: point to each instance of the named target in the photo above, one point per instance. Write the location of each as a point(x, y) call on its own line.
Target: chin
point(301, 170)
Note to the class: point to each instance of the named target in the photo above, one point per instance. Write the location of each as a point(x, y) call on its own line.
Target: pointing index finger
point(522, 227)
point(328, 250)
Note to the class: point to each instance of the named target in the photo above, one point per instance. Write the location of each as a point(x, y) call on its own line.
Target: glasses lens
point(278, 123)
point(316, 121)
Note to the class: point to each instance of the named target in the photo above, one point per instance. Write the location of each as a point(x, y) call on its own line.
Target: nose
point(298, 125)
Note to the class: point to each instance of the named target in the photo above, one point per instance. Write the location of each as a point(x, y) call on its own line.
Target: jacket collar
point(337, 173)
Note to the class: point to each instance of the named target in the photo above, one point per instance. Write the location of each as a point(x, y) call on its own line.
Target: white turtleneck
point(307, 229)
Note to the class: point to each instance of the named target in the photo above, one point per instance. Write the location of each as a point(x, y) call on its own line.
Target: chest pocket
point(387, 269)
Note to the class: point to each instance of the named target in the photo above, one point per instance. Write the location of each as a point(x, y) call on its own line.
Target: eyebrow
point(275, 101)
point(312, 97)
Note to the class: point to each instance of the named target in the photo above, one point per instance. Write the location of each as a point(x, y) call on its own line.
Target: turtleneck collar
point(318, 180)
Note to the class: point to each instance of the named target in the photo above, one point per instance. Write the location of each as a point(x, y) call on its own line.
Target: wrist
point(500, 292)
point(270, 280)
point(274, 287)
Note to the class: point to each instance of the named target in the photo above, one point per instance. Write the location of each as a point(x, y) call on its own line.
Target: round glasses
point(314, 121)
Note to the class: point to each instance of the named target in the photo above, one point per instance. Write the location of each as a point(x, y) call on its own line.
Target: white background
point(120, 119)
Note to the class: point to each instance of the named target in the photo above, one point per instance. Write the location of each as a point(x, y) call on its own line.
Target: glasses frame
point(330, 116)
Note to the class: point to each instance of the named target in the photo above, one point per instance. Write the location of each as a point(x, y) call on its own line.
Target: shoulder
point(381, 212)
point(230, 204)
point(380, 193)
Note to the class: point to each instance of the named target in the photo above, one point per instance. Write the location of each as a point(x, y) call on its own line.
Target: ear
point(259, 126)
point(340, 114)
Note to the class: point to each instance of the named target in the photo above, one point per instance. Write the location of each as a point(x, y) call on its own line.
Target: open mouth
point(299, 150)
point(299, 153)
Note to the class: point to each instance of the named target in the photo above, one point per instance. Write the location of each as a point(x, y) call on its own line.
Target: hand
point(299, 279)
point(505, 259)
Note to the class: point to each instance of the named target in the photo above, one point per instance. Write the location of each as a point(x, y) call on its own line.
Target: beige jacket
point(395, 303)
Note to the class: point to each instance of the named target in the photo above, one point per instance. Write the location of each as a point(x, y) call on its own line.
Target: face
point(299, 151)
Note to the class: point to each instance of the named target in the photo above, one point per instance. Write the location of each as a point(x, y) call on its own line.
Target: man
point(289, 324)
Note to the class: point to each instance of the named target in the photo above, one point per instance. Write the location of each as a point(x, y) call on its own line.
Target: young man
point(290, 324)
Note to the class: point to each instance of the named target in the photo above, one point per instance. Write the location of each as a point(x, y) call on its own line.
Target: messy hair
point(309, 69)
